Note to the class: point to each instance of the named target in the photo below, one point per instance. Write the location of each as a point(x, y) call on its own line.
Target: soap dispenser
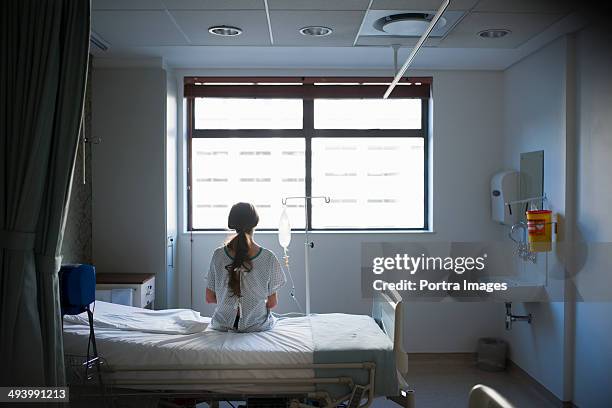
point(504, 188)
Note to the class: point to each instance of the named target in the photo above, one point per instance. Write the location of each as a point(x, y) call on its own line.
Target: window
point(367, 114)
point(242, 113)
point(367, 154)
point(258, 170)
point(377, 182)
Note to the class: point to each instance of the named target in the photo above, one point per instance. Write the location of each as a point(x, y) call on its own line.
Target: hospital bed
point(326, 360)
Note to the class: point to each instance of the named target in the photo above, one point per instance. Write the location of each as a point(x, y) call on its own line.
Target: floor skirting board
point(448, 357)
point(516, 370)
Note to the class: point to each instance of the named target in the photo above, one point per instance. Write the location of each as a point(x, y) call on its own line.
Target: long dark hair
point(242, 218)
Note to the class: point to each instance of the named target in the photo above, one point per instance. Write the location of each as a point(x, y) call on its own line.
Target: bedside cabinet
point(130, 289)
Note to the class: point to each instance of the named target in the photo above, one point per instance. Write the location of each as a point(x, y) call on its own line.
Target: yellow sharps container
point(539, 227)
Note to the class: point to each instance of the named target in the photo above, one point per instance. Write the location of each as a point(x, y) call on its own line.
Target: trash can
point(491, 354)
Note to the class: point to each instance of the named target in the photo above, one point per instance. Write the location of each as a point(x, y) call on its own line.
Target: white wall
point(466, 145)
point(593, 331)
point(562, 90)
point(129, 193)
point(171, 185)
point(534, 115)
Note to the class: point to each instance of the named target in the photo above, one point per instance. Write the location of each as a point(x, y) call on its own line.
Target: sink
point(519, 290)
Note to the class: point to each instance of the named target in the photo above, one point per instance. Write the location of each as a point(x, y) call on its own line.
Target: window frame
point(308, 132)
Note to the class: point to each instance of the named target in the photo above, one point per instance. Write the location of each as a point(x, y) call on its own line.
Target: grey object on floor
point(491, 354)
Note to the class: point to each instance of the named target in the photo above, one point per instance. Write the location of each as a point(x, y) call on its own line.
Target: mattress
point(318, 338)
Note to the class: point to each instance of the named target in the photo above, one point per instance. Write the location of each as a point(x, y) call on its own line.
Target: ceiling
point(177, 32)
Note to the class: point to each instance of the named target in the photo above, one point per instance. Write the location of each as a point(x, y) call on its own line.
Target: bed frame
point(386, 311)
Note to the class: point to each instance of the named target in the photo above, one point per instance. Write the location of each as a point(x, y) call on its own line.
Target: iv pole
point(307, 244)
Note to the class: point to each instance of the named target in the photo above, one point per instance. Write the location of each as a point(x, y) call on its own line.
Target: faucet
point(522, 249)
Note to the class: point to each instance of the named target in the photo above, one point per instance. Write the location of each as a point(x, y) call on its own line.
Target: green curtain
point(43, 69)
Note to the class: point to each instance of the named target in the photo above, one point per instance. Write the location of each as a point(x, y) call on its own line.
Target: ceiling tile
point(524, 6)
point(318, 4)
point(195, 25)
point(214, 4)
point(286, 26)
point(137, 28)
point(523, 26)
point(127, 5)
point(421, 4)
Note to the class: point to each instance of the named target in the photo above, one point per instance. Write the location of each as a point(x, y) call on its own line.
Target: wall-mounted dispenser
point(504, 188)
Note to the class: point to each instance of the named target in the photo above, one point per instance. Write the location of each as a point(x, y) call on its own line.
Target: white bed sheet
point(121, 317)
point(290, 342)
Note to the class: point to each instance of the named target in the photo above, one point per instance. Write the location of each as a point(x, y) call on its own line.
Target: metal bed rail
point(168, 383)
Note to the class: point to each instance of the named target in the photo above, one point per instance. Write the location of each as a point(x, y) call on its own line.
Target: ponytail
point(240, 246)
point(242, 218)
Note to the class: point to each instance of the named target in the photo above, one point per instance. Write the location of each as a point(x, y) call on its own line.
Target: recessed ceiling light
point(316, 31)
point(494, 33)
point(225, 31)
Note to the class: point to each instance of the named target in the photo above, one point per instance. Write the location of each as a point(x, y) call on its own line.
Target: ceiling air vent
point(406, 24)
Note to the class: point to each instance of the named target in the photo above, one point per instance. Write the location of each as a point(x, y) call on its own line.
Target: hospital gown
point(264, 279)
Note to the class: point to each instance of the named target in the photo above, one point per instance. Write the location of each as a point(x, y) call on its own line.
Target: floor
point(445, 383)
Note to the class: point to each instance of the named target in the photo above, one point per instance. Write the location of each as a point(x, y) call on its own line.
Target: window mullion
point(308, 107)
point(425, 129)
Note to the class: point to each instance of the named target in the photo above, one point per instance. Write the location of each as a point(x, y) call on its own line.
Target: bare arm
point(211, 297)
point(272, 301)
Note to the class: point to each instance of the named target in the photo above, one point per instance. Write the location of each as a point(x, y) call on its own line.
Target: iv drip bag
point(284, 229)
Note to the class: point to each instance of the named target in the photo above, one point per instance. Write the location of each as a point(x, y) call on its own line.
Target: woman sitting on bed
point(243, 277)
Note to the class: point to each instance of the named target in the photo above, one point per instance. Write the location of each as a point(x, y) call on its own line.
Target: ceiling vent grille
point(409, 24)
point(406, 24)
